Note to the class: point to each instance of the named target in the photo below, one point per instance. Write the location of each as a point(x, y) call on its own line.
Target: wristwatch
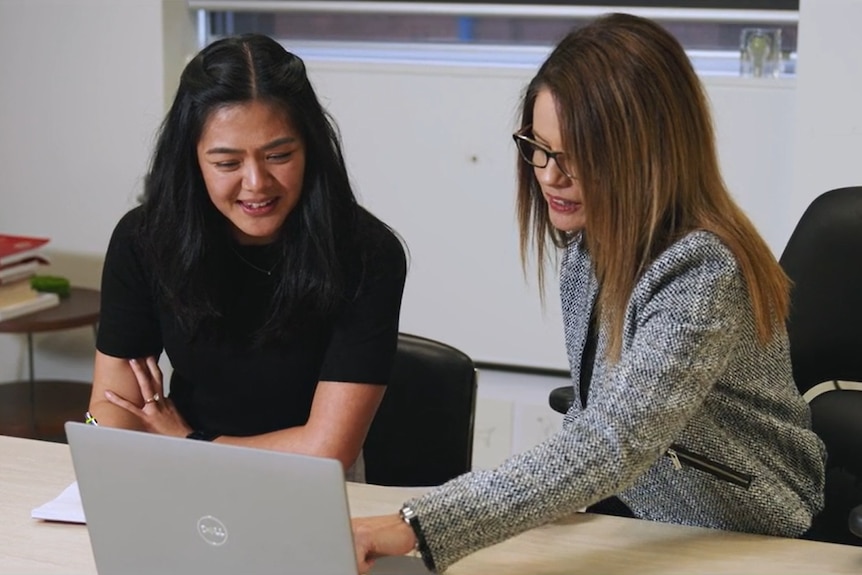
point(202, 435)
point(408, 515)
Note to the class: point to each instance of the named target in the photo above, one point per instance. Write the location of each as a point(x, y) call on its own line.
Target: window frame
point(722, 62)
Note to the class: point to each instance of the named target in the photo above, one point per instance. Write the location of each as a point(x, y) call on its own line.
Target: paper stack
point(20, 257)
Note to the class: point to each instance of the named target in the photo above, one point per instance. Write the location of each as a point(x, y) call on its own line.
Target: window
point(503, 31)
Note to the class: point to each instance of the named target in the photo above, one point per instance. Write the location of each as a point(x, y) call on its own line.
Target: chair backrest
point(423, 431)
point(823, 258)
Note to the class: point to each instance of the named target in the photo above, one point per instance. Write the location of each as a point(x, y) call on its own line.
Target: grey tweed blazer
point(696, 424)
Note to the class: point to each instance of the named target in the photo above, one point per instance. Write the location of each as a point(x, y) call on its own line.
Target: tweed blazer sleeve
point(682, 317)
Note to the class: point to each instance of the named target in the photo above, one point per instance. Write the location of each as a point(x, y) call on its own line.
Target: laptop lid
point(157, 504)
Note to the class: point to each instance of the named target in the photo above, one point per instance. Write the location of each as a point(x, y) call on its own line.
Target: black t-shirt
point(224, 383)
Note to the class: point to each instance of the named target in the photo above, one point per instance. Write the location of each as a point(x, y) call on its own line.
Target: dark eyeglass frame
point(549, 153)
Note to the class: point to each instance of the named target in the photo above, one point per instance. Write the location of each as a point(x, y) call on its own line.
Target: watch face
point(407, 514)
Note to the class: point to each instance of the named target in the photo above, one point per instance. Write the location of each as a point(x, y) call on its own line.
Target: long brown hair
point(636, 127)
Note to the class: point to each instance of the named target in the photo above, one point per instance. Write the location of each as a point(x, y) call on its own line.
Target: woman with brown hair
point(674, 311)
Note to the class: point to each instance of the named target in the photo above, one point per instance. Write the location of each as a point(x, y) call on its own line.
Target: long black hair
point(184, 236)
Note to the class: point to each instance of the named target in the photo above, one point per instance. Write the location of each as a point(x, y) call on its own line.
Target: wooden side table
point(34, 408)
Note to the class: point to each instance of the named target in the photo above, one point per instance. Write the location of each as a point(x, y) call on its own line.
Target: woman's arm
point(144, 408)
point(128, 325)
point(341, 414)
point(114, 374)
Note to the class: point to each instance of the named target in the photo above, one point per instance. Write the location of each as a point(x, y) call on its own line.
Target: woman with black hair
point(249, 262)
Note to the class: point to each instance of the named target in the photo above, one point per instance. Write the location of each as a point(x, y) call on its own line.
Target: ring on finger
point(153, 399)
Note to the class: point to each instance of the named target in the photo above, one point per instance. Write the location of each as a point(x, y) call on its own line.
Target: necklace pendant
point(267, 273)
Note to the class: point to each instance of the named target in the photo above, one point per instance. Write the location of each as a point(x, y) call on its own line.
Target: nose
point(552, 176)
point(255, 176)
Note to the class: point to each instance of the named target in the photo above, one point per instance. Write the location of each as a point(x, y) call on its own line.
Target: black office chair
point(823, 258)
point(423, 431)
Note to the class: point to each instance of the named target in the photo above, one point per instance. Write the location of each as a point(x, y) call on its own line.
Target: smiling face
point(561, 192)
point(252, 159)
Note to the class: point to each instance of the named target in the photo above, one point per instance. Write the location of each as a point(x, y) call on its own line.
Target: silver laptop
point(158, 504)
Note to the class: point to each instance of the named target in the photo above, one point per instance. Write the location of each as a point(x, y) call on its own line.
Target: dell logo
point(212, 530)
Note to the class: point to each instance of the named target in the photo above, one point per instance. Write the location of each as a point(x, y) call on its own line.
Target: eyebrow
point(273, 144)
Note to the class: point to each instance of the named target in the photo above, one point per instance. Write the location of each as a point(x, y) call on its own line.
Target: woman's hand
point(158, 413)
point(382, 535)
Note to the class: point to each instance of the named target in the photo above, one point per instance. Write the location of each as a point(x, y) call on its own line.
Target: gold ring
point(153, 399)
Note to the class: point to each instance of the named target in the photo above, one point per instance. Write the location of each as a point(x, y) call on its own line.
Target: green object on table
point(54, 284)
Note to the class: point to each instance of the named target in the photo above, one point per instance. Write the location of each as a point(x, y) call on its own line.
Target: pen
point(89, 419)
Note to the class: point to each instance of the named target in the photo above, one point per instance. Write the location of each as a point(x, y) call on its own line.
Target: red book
point(14, 249)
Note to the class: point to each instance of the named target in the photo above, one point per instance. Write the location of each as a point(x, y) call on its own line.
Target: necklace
point(265, 272)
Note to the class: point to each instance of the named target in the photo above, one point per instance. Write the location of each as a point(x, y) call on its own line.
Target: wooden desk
point(34, 472)
point(37, 408)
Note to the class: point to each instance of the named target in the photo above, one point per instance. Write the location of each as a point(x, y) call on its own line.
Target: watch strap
point(408, 515)
point(201, 435)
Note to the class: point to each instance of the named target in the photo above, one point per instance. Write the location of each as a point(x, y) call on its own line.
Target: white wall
point(83, 90)
point(829, 100)
point(828, 127)
point(512, 414)
point(431, 150)
point(84, 84)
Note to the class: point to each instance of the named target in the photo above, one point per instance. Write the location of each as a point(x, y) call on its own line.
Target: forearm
point(341, 414)
point(300, 439)
point(571, 470)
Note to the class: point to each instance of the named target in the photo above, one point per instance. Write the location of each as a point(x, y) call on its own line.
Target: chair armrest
point(561, 398)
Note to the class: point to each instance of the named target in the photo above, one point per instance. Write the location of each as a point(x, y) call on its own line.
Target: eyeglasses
point(538, 155)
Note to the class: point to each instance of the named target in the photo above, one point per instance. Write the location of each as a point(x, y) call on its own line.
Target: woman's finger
point(144, 380)
point(364, 561)
point(156, 375)
point(122, 402)
point(365, 566)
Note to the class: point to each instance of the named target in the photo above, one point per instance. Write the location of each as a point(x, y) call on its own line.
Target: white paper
point(65, 507)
